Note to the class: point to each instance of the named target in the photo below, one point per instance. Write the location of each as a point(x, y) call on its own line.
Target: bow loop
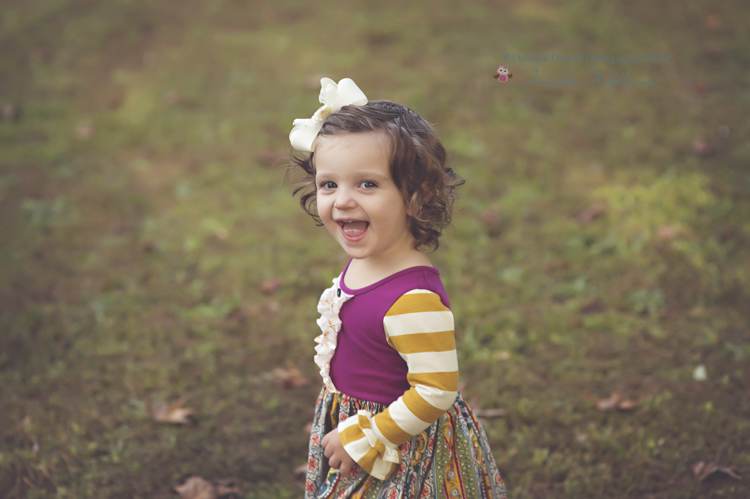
point(333, 97)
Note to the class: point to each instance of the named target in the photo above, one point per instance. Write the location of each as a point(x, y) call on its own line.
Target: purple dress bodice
point(364, 365)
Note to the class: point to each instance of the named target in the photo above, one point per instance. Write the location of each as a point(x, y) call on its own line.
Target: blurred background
point(158, 283)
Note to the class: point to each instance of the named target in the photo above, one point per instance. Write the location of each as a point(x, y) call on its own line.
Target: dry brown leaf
point(556, 264)
point(270, 286)
point(11, 112)
point(591, 307)
point(591, 213)
point(300, 470)
point(711, 21)
point(501, 355)
point(489, 413)
point(616, 401)
point(493, 221)
point(628, 405)
point(610, 403)
point(196, 488)
point(703, 470)
point(701, 147)
point(173, 413)
point(669, 232)
point(238, 315)
point(225, 487)
point(84, 131)
point(286, 377)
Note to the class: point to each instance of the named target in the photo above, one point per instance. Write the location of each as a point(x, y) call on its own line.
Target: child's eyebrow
point(363, 174)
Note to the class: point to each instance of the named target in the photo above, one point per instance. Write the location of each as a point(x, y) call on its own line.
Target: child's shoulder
point(420, 285)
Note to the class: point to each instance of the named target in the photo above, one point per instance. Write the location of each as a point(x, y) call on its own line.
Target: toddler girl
point(389, 421)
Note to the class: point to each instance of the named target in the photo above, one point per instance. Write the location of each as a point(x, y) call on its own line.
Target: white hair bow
point(333, 97)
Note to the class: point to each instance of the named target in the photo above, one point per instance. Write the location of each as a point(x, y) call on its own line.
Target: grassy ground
point(601, 242)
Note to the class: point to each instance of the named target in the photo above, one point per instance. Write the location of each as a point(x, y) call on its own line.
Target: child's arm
point(420, 328)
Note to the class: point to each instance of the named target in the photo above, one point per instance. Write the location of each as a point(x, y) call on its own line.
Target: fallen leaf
point(616, 401)
point(172, 413)
point(628, 405)
point(196, 488)
point(591, 307)
point(115, 100)
point(238, 315)
point(224, 487)
point(702, 470)
point(669, 232)
point(270, 286)
point(493, 221)
point(11, 112)
point(501, 355)
point(84, 131)
point(300, 470)
point(308, 428)
point(286, 377)
point(610, 403)
point(489, 413)
point(711, 21)
point(591, 213)
point(701, 147)
point(556, 264)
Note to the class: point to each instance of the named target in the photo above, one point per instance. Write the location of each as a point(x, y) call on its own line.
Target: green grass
point(131, 261)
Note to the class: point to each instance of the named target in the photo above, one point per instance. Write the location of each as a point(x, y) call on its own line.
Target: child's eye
point(368, 185)
point(328, 185)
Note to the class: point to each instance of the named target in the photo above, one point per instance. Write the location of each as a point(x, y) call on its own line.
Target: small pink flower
point(312, 464)
point(393, 494)
point(343, 417)
point(310, 487)
point(315, 439)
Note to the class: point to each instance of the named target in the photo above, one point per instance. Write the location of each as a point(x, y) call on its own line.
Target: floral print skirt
point(450, 459)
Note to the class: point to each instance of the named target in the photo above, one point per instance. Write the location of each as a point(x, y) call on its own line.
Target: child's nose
point(344, 199)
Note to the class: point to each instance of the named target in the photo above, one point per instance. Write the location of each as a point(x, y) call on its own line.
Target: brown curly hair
point(417, 165)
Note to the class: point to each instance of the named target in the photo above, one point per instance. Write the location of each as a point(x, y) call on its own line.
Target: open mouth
point(353, 230)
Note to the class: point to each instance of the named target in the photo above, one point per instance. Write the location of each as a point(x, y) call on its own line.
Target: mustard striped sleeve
point(421, 330)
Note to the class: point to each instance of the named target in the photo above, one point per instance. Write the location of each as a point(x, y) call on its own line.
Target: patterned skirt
point(450, 459)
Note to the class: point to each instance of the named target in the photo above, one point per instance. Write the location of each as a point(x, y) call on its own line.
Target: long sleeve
point(421, 330)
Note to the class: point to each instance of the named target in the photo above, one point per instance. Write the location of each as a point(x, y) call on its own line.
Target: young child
point(389, 421)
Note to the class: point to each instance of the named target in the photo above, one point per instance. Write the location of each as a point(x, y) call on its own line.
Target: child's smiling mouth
point(353, 230)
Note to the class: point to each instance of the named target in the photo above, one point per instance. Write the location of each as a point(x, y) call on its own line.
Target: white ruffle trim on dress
point(329, 307)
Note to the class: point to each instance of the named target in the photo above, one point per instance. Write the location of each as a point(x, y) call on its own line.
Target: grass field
point(151, 250)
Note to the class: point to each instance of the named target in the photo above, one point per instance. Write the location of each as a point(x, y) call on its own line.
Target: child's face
point(354, 184)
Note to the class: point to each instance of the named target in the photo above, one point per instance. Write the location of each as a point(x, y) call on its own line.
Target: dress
point(391, 392)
